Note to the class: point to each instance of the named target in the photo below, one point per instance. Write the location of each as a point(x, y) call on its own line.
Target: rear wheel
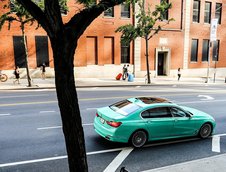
point(138, 138)
point(205, 131)
point(3, 77)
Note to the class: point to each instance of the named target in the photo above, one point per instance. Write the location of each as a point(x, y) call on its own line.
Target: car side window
point(177, 112)
point(161, 112)
point(145, 114)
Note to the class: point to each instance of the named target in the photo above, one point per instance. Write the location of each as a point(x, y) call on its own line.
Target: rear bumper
point(108, 133)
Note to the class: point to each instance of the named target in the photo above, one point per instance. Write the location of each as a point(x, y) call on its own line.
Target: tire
point(3, 77)
point(138, 138)
point(205, 131)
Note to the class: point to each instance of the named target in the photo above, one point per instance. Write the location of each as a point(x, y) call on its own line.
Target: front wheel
point(3, 77)
point(205, 131)
point(138, 138)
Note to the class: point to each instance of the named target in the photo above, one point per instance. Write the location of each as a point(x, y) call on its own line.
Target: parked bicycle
point(3, 77)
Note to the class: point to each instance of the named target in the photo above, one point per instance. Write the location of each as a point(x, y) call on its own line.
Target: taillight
point(97, 115)
point(114, 124)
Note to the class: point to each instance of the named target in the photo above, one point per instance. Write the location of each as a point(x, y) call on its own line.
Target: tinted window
point(125, 53)
point(207, 14)
point(19, 51)
point(205, 50)
point(216, 50)
point(178, 112)
point(109, 12)
point(196, 11)
point(194, 50)
point(42, 52)
point(124, 107)
point(125, 10)
point(161, 112)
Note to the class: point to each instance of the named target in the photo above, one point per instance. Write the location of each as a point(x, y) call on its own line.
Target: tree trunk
point(26, 58)
point(63, 50)
point(147, 61)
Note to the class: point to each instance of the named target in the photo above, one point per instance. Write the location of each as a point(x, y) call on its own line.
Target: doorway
point(162, 63)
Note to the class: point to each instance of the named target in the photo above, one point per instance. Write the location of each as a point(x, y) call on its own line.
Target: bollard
point(225, 80)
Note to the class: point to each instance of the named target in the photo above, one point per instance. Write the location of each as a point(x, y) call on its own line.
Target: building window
point(42, 50)
point(205, 50)
point(218, 12)
point(19, 51)
point(207, 14)
point(165, 15)
point(194, 50)
point(125, 10)
point(196, 11)
point(109, 12)
point(125, 53)
point(216, 45)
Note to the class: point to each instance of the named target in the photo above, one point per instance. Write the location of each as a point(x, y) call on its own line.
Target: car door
point(184, 125)
point(159, 122)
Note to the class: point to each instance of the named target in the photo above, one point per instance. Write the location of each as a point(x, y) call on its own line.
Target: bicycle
point(3, 77)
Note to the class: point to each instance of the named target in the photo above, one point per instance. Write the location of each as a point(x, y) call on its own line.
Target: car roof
point(147, 101)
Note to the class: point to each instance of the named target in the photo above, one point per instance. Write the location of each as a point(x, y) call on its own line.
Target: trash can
point(130, 77)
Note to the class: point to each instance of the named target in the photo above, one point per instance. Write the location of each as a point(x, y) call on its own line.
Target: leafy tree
point(64, 38)
point(18, 14)
point(145, 28)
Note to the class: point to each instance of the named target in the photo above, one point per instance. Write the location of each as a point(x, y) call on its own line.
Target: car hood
point(109, 114)
point(197, 113)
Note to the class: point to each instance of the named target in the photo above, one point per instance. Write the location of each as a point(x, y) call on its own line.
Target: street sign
point(213, 30)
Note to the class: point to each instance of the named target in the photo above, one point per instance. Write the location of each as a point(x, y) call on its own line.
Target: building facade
point(183, 43)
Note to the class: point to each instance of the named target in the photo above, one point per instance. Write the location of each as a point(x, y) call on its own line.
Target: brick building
point(183, 43)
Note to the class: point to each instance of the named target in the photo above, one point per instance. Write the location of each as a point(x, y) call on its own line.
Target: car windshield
point(124, 107)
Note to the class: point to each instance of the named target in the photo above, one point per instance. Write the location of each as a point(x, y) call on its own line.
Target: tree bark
point(63, 49)
point(26, 53)
point(147, 61)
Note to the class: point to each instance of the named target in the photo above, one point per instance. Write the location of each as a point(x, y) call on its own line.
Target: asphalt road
point(31, 139)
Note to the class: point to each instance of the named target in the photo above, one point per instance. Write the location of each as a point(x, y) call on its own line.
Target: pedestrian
point(17, 75)
point(179, 73)
point(43, 69)
point(124, 72)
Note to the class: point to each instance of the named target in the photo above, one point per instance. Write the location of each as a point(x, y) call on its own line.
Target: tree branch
point(80, 21)
point(38, 14)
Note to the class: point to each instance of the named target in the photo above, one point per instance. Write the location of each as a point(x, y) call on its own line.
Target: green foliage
point(129, 32)
point(146, 21)
point(87, 3)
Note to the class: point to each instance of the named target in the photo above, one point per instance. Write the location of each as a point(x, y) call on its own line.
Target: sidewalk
point(106, 82)
point(211, 164)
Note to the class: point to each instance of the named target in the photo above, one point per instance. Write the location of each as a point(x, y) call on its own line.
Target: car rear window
point(124, 107)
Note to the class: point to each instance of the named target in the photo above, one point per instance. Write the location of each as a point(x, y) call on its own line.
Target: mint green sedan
point(142, 119)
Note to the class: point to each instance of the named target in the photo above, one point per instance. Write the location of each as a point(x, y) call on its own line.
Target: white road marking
point(214, 101)
point(32, 161)
point(48, 128)
point(216, 144)
point(206, 97)
point(91, 108)
point(56, 158)
point(118, 160)
point(19, 96)
point(59, 126)
point(87, 124)
point(92, 153)
point(50, 111)
point(6, 114)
